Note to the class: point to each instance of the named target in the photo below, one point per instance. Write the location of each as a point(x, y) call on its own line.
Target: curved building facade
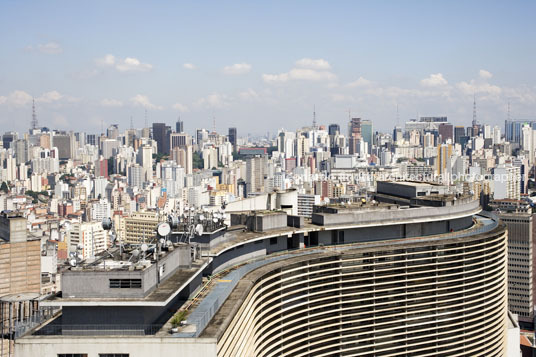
point(424, 297)
point(421, 277)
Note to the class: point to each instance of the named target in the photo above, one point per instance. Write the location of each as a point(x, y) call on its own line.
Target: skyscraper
point(459, 131)
point(232, 138)
point(161, 136)
point(367, 133)
point(445, 130)
point(179, 126)
point(334, 129)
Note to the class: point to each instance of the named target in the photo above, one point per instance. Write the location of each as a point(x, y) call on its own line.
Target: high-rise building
point(161, 135)
point(507, 182)
point(521, 225)
point(140, 226)
point(255, 170)
point(334, 129)
point(136, 175)
point(8, 138)
point(433, 275)
point(179, 126)
point(354, 128)
point(63, 143)
point(90, 236)
point(367, 133)
point(459, 131)
point(232, 138)
point(21, 151)
point(512, 129)
point(113, 131)
point(145, 159)
point(445, 131)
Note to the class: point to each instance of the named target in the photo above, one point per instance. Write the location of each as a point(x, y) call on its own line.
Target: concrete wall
point(382, 216)
point(84, 283)
point(241, 253)
point(139, 346)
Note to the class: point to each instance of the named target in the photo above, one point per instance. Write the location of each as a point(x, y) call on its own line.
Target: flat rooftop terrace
point(160, 296)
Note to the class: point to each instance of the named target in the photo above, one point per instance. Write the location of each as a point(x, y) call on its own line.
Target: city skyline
point(270, 63)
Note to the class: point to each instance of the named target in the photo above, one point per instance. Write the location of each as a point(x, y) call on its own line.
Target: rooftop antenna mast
point(397, 116)
point(474, 110)
point(131, 123)
point(213, 123)
point(34, 116)
point(508, 117)
point(102, 126)
point(314, 117)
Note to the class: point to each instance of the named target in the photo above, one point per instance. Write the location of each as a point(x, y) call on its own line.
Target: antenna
point(146, 122)
point(314, 117)
point(474, 109)
point(34, 116)
point(131, 123)
point(397, 116)
point(213, 123)
point(508, 110)
point(102, 126)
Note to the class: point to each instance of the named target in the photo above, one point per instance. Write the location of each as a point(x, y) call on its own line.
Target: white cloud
point(143, 101)
point(17, 98)
point(133, 64)
point(299, 74)
point(214, 100)
point(180, 107)
point(485, 74)
point(49, 97)
point(51, 48)
point(189, 66)
point(306, 69)
point(237, 68)
point(435, 80)
point(129, 64)
point(360, 82)
point(473, 87)
point(320, 63)
point(111, 103)
point(248, 94)
point(108, 60)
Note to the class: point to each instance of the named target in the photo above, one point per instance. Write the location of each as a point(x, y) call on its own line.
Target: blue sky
point(262, 66)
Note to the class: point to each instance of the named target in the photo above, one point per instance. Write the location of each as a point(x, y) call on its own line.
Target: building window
point(273, 241)
point(113, 355)
point(72, 354)
point(125, 283)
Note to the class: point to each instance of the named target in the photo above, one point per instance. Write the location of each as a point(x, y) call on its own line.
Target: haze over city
point(262, 66)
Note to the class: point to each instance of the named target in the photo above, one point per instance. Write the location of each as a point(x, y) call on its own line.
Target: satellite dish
point(72, 262)
point(162, 240)
point(199, 229)
point(135, 253)
point(79, 256)
point(163, 229)
point(173, 221)
point(205, 210)
point(80, 246)
point(215, 220)
point(202, 217)
point(144, 247)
